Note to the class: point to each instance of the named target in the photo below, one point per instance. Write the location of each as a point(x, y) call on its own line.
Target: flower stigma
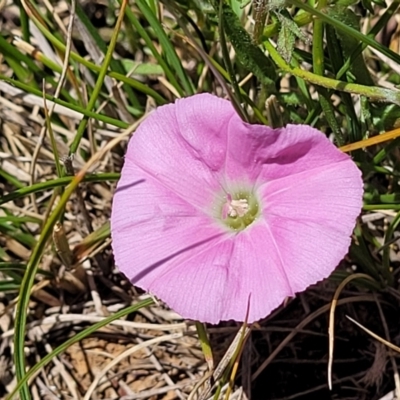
point(239, 210)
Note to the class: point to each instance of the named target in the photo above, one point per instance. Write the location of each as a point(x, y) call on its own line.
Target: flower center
point(239, 210)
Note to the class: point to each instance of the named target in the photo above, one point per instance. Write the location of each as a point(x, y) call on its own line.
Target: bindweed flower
point(212, 214)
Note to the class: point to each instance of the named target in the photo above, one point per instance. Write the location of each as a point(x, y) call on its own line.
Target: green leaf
point(247, 52)
point(276, 5)
point(140, 68)
point(286, 38)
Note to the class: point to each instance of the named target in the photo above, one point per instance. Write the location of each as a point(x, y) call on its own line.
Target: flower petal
point(220, 281)
point(311, 216)
point(259, 153)
point(153, 228)
point(183, 146)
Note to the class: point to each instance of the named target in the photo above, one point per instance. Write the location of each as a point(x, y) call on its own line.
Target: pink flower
point(211, 213)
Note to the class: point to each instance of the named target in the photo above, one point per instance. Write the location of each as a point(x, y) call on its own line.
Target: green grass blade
point(24, 238)
point(336, 57)
point(53, 183)
point(6, 267)
point(11, 179)
point(100, 80)
point(167, 46)
point(9, 286)
point(93, 67)
point(386, 150)
point(149, 43)
point(74, 107)
point(7, 49)
point(17, 221)
point(115, 65)
point(24, 21)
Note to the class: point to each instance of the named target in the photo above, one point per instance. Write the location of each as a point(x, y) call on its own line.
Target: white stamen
point(238, 208)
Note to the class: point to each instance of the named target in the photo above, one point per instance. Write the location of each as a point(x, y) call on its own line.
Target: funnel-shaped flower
point(211, 212)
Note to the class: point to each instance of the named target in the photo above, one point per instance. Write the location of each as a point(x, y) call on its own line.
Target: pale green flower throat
point(239, 210)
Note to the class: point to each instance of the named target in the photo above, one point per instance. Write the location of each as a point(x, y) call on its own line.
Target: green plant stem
point(372, 92)
point(372, 207)
point(33, 263)
point(319, 69)
point(205, 344)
